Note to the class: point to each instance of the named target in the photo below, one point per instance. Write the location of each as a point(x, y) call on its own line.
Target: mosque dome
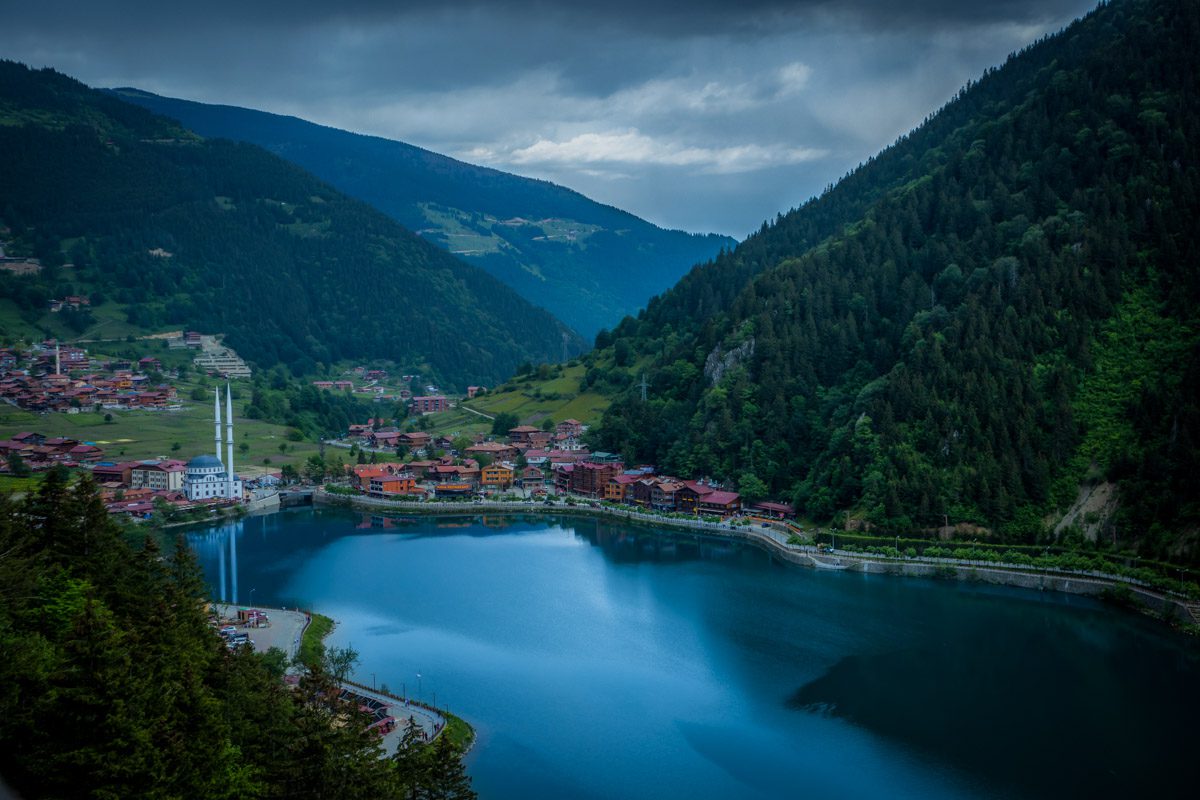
point(205, 462)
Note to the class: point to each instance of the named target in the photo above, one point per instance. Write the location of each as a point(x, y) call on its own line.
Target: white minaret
point(217, 419)
point(229, 439)
point(57, 357)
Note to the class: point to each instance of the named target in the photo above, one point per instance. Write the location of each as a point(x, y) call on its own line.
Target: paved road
point(480, 413)
point(283, 632)
point(428, 721)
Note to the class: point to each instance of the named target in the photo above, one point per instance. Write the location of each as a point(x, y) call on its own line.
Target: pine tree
point(448, 779)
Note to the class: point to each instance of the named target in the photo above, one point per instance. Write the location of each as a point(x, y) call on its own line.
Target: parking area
point(283, 632)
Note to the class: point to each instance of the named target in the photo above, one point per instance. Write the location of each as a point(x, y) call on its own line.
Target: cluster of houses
point(374, 383)
point(39, 452)
point(132, 487)
point(129, 487)
point(135, 487)
point(74, 302)
point(214, 359)
point(539, 462)
point(537, 445)
point(53, 378)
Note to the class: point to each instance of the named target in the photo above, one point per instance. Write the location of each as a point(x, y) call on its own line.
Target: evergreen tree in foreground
point(114, 685)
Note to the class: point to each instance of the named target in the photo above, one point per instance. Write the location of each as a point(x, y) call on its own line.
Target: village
point(533, 462)
point(529, 462)
point(378, 385)
point(136, 489)
point(50, 377)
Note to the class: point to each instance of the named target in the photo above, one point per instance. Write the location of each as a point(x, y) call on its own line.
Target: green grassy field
point(457, 422)
point(20, 485)
point(312, 642)
point(460, 733)
point(135, 435)
point(558, 397)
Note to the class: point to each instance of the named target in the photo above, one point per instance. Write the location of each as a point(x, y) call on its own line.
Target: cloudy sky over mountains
point(703, 115)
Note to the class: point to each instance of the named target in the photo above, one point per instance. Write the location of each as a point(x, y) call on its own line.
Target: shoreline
point(449, 720)
point(1139, 596)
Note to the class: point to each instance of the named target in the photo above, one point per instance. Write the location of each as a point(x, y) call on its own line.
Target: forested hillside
point(224, 237)
point(588, 263)
point(996, 310)
point(112, 683)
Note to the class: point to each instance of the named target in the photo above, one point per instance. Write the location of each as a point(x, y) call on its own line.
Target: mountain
point(994, 324)
point(173, 230)
point(588, 263)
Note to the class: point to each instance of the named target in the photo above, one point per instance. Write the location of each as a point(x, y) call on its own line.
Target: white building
point(206, 476)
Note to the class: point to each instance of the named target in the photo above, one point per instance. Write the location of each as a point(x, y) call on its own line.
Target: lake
point(606, 660)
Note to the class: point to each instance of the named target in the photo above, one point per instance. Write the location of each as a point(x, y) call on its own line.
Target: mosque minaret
point(207, 477)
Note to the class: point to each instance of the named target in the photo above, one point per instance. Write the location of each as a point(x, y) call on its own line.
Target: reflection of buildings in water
point(625, 545)
point(374, 521)
point(382, 521)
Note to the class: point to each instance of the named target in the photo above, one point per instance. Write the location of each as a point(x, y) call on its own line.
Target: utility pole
point(644, 386)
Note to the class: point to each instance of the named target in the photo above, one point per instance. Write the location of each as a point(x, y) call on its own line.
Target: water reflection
point(699, 667)
point(222, 542)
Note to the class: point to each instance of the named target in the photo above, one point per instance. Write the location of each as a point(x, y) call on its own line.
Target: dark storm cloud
point(663, 17)
point(707, 17)
point(705, 115)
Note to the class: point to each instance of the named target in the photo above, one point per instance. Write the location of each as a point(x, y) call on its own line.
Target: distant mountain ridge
point(164, 228)
point(588, 263)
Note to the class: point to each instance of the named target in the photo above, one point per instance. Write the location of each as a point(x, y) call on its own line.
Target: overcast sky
point(704, 115)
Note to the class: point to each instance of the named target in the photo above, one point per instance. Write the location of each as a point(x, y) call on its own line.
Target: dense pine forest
point(994, 312)
point(226, 238)
point(115, 685)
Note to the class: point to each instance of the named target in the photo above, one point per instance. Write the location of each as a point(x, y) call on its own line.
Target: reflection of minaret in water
point(233, 532)
point(221, 569)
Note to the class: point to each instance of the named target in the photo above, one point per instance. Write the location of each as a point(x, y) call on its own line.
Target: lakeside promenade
point(285, 631)
point(776, 542)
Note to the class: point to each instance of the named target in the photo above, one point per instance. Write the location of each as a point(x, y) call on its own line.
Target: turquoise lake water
point(603, 660)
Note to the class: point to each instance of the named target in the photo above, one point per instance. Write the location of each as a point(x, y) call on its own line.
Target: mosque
point(206, 476)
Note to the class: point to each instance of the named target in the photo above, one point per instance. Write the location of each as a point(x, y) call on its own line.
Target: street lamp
point(372, 681)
